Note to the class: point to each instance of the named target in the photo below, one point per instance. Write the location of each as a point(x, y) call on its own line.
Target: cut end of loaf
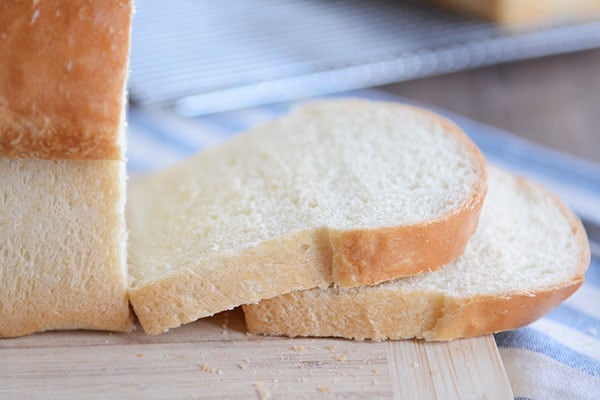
point(62, 248)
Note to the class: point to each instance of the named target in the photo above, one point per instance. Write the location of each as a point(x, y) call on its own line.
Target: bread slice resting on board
point(345, 192)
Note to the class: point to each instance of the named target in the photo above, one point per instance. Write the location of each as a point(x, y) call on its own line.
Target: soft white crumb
point(207, 368)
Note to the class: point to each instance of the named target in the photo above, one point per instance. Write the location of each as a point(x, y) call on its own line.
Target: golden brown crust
point(388, 313)
point(366, 257)
point(395, 315)
point(62, 77)
point(371, 256)
point(489, 314)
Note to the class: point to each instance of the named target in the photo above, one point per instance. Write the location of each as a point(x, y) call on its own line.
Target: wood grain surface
point(554, 101)
point(215, 358)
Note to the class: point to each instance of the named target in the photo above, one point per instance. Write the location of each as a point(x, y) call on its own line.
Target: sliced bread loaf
point(528, 254)
point(346, 191)
point(63, 66)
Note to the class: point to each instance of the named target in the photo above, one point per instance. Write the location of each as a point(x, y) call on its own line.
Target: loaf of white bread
point(344, 192)
point(63, 67)
point(520, 12)
point(528, 255)
point(345, 218)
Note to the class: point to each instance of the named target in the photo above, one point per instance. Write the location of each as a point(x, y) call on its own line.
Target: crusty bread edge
point(371, 256)
point(448, 317)
point(489, 314)
point(115, 316)
point(63, 138)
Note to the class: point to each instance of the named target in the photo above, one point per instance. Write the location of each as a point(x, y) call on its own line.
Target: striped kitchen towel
point(557, 357)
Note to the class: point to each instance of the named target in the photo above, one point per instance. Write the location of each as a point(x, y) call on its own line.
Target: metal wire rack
point(200, 56)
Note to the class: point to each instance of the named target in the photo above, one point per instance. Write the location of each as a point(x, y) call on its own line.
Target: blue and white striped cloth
point(557, 357)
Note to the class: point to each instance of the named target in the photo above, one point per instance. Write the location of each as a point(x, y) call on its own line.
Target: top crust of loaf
point(63, 66)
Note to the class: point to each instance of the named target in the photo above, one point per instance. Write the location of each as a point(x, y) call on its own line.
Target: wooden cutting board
point(215, 358)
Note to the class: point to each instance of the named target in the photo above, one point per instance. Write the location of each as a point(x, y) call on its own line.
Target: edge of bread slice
point(529, 254)
point(349, 192)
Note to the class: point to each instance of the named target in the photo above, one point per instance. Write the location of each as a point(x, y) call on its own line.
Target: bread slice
point(63, 66)
point(344, 191)
point(528, 254)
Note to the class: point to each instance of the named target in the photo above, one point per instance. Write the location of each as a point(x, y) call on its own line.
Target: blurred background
point(531, 67)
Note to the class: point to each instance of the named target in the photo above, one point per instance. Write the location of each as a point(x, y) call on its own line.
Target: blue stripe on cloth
point(575, 319)
point(134, 165)
point(223, 123)
point(278, 108)
point(145, 124)
point(530, 339)
point(592, 275)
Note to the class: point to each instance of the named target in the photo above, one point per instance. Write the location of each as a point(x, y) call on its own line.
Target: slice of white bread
point(528, 255)
point(344, 191)
point(63, 66)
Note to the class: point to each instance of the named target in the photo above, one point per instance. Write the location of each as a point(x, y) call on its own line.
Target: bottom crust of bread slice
point(62, 247)
point(528, 255)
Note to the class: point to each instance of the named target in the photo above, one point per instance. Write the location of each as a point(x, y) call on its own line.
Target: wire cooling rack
point(201, 56)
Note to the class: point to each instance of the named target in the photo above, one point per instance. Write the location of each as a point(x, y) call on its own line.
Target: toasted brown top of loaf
point(63, 66)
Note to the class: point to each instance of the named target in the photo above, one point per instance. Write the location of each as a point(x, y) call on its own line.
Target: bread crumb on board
point(140, 355)
point(298, 348)
point(324, 389)
point(340, 357)
point(207, 368)
point(330, 348)
point(242, 366)
point(263, 392)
